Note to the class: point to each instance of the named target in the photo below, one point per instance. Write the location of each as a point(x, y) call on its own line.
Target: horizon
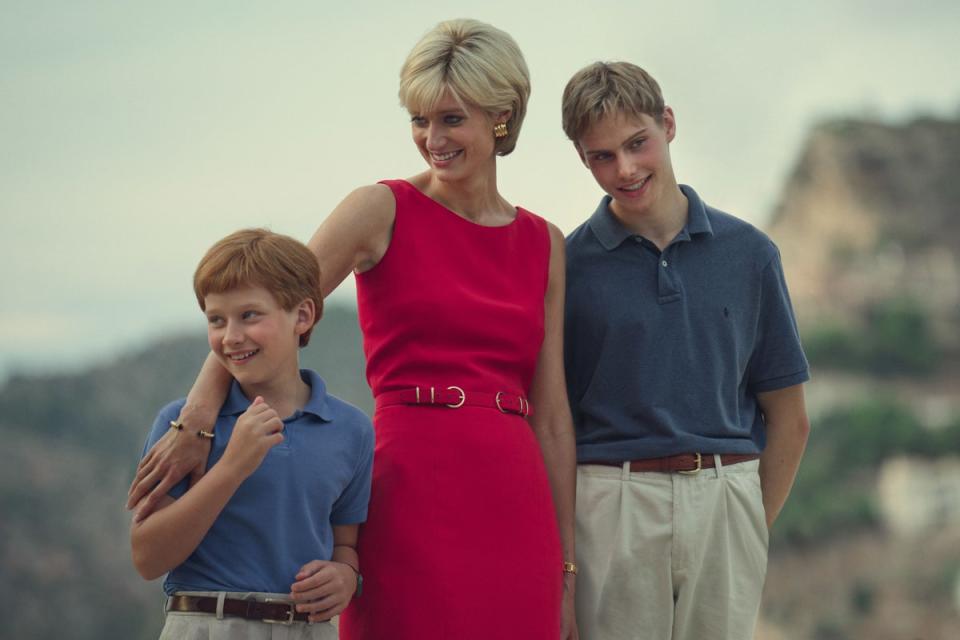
point(136, 137)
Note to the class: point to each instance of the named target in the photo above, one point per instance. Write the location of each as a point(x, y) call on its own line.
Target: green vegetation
point(834, 488)
point(896, 339)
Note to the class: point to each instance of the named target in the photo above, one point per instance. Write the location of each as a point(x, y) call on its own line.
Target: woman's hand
point(568, 619)
point(172, 458)
point(323, 589)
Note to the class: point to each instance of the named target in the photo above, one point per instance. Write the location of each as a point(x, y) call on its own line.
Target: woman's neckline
point(463, 218)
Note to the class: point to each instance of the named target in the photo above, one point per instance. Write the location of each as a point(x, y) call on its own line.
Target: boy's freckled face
point(251, 335)
point(630, 159)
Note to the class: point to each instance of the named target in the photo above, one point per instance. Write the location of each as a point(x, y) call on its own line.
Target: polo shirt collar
point(317, 404)
point(611, 233)
point(697, 220)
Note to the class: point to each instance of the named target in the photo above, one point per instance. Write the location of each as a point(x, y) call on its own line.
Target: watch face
point(359, 591)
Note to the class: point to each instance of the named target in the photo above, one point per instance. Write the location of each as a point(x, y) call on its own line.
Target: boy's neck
point(286, 394)
point(661, 223)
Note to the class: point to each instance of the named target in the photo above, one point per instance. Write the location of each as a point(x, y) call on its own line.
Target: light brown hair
point(608, 88)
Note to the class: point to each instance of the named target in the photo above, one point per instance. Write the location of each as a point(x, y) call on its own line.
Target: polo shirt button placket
point(666, 281)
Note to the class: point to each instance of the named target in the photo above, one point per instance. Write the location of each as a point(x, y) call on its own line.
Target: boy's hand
point(323, 589)
point(257, 431)
point(171, 459)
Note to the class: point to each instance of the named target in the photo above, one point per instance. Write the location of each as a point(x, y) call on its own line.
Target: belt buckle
point(463, 397)
point(524, 410)
point(290, 612)
point(695, 470)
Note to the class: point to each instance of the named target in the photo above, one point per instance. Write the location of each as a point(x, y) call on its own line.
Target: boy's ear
point(669, 123)
point(306, 313)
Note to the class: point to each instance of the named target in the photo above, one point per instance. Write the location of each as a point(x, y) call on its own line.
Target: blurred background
point(133, 137)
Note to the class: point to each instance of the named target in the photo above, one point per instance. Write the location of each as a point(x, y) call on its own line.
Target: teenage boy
point(268, 534)
point(684, 370)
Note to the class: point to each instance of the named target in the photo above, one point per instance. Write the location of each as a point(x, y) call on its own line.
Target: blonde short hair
point(478, 63)
point(609, 88)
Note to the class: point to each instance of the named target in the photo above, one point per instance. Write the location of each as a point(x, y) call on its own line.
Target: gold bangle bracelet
point(176, 424)
point(205, 434)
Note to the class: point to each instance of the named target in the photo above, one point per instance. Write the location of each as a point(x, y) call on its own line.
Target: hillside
point(867, 224)
point(71, 444)
point(868, 230)
point(870, 214)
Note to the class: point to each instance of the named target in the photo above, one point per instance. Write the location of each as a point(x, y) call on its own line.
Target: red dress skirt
point(461, 540)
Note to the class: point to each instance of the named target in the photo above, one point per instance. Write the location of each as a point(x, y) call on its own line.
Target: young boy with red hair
point(288, 477)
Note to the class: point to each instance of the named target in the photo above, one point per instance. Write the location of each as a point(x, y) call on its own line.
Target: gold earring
point(500, 130)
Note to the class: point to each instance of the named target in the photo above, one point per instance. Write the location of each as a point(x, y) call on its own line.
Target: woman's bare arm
point(355, 236)
point(552, 422)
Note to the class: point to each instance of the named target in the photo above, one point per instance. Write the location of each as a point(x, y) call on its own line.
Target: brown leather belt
point(279, 611)
point(454, 397)
point(687, 463)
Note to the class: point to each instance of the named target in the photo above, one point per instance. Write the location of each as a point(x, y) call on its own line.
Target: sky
point(134, 135)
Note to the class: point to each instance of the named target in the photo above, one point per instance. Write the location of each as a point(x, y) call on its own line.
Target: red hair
point(260, 258)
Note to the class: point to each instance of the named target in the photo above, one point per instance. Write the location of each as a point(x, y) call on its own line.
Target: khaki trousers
point(666, 556)
point(208, 626)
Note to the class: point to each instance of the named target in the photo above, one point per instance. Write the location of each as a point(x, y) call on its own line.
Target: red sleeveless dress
point(461, 541)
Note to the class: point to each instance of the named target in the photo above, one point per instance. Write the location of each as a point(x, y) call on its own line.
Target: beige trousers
point(666, 556)
point(208, 626)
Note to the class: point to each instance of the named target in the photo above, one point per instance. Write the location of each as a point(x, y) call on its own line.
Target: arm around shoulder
point(181, 453)
point(168, 536)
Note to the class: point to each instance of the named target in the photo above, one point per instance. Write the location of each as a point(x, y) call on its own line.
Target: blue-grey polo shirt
point(666, 352)
point(280, 517)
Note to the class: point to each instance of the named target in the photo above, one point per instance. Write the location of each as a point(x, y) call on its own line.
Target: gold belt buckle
point(463, 397)
point(524, 410)
point(289, 621)
point(695, 470)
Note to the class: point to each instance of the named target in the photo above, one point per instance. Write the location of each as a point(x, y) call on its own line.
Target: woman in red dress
point(460, 295)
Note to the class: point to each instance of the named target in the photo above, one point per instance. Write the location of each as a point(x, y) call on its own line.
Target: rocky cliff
point(871, 212)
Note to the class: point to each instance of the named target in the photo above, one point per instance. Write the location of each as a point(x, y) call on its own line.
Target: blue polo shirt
point(281, 516)
point(666, 351)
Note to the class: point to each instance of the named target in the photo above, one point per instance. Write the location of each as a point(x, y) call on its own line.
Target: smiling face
point(630, 160)
point(253, 337)
point(455, 139)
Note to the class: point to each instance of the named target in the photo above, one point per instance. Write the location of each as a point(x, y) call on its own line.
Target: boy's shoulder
point(733, 233)
point(730, 231)
point(577, 235)
point(349, 413)
point(333, 408)
point(582, 242)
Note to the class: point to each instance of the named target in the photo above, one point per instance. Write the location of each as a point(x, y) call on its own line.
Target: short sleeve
point(777, 361)
point(351, 506)
point(160, 426)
